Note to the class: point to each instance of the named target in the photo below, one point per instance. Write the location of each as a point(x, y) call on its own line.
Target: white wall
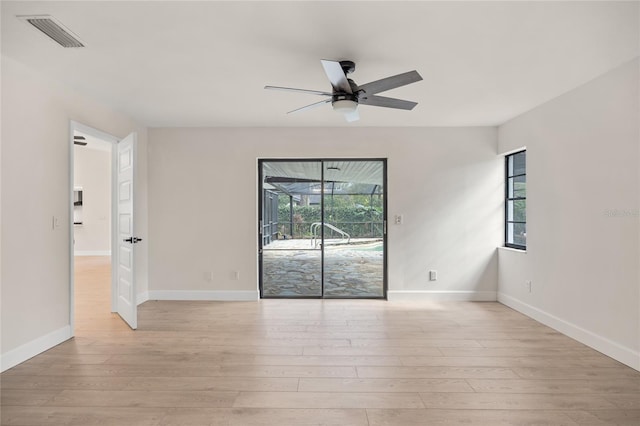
point(582, 258)
point(92, 172)
point(203, 194)
point(35, 119)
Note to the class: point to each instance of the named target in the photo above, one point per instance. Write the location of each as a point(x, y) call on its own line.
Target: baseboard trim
point(34, 347)
point(215, 295)
point(441, 296)
point(601, 344)
point(92, 253)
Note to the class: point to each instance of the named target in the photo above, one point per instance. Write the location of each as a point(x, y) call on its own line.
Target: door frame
point(76, 126)
point(321, 160)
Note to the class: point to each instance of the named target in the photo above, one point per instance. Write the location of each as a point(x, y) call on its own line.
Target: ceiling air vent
point(54, 29)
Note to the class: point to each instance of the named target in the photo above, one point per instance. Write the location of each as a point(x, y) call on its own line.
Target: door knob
point(132, 240)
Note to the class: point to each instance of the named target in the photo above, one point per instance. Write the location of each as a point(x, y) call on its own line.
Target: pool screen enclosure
point(322, 228)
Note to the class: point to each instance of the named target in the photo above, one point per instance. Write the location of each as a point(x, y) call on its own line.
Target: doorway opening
point(92, 233)
point(322, 228)
point(101, 230)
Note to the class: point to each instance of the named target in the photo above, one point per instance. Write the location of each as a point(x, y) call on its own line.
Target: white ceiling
point(206, 63)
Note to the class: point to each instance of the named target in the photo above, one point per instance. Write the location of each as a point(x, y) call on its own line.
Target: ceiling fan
point(347, 95)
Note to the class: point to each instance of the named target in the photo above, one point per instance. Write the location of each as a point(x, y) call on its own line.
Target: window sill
point(523, 251)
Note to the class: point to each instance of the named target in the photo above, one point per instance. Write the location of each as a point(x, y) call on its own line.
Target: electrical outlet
point(235, 275)
point(433, 275)
point(397, 219)
point(527, 284)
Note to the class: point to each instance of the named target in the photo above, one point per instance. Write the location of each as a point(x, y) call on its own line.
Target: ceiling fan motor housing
point(344, 97)
point(348, 66)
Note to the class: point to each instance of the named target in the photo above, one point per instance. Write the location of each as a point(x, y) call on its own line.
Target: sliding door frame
point(260, 227)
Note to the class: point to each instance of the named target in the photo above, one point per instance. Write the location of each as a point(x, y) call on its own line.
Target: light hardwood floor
point(311, 362)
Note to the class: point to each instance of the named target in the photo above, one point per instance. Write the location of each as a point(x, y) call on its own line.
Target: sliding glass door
point(353, 239)
point(290, 261)
point(322, 228)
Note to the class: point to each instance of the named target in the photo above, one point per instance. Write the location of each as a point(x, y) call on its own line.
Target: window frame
point(508, 199)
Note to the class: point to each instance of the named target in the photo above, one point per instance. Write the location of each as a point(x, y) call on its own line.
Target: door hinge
point(260, 228)
point(384, 226)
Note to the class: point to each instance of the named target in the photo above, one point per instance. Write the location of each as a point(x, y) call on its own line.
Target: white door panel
point(126, 285)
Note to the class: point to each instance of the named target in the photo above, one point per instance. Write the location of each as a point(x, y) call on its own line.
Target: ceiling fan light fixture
point(345, 106)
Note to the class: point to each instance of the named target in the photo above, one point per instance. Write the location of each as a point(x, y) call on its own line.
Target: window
point(516, 200)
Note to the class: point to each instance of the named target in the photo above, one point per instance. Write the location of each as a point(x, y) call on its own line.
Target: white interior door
point(125, 283)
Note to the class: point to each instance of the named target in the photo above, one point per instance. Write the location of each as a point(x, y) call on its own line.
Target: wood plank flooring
point(311, 362)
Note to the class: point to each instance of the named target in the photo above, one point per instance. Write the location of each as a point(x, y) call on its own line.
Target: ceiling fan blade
point(352, 116)
point(336, 76)
point(391, 82)
point(291, 89)
point(382, 101)
point(314, 105)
